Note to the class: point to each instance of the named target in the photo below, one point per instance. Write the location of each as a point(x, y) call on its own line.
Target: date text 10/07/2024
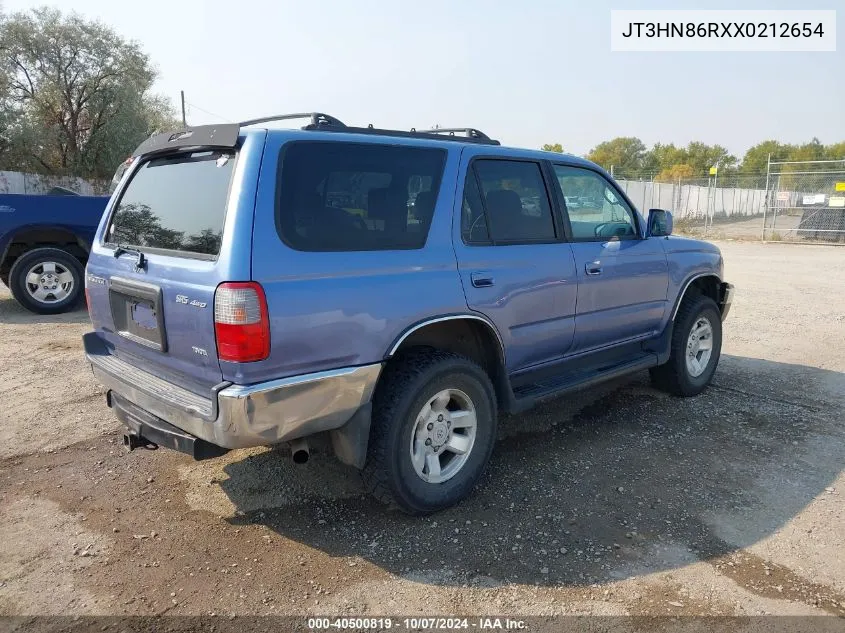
point(417, 624)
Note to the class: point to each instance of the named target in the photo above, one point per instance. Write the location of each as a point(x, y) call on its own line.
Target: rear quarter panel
point(339, 309)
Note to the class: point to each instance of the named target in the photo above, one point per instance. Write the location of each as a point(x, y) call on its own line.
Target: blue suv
point(388, 292)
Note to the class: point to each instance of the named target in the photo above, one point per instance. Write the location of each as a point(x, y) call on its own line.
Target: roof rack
point(470, 132)
point(317, 119)
point(327, 123)
point(476, 137)
point(225, 136)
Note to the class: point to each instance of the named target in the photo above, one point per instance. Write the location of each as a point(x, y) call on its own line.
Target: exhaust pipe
point(299, 451)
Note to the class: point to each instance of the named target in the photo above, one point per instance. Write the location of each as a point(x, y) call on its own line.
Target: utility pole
point(766, 198)
point(184, 121)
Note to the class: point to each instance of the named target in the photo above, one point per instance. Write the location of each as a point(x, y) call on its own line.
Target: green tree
point(813, 150)
point(835, 151)
point(625, 154)
point(701, 157)
point(673, 173)
point(756, 158)
point(661, 157)
point(553, 147)
point(76, 97)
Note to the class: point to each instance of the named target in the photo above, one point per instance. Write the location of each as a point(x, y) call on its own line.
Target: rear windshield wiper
point(120, 250)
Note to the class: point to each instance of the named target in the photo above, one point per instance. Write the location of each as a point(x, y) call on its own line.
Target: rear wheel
point(46, 280)
point(432, 433)
point(696, 348)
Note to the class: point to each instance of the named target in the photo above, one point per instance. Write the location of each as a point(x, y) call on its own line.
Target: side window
point(596, 212)
point(514, 201)
point(336, 196)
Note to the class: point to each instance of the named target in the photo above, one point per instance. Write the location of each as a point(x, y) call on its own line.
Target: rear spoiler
point(223, 136)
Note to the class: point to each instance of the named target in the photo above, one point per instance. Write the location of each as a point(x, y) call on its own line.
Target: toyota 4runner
point(392, 291)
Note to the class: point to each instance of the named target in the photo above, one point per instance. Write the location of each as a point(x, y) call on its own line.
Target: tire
point(409, 384)
point(60, 296)
point(676, 376)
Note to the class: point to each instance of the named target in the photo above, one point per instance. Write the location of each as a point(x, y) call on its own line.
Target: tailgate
point(151, 289)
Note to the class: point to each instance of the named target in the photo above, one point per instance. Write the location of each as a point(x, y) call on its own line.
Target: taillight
point(241, 324)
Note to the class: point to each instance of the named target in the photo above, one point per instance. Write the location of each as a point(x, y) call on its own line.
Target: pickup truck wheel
point(696, 347)
point(46, 280)
point(432, 432)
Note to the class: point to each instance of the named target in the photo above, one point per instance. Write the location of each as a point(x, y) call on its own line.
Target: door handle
point(593, 268)
point(482, 279)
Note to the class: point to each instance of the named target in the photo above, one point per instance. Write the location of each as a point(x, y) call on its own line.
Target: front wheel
point(46, 280)
point(432, 432)
point(696, 348)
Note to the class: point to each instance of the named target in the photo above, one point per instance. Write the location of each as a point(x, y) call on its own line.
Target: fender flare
point(10, 238)
point(683, 292)
point(501, 380)
point(397, 343)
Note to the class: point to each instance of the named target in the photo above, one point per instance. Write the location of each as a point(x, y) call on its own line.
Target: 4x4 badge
point(190, 302)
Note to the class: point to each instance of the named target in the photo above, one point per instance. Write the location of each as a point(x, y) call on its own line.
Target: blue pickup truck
point(385, 292)
point(44, 245)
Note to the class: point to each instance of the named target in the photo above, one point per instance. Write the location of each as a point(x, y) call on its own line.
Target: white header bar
point(723, 30)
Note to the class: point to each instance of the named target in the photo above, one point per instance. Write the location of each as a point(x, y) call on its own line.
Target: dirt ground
point(617, 501)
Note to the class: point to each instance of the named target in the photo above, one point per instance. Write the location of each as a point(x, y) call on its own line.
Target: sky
point(526, 72)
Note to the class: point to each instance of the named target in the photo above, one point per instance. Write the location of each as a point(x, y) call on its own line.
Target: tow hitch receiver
point(144, 430)
point(132, 441)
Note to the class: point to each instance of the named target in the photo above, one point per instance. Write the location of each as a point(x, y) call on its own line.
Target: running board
point(527, 395)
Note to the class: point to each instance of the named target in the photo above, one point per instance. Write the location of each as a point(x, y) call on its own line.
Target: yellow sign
point(840, 186)
point(713, 171)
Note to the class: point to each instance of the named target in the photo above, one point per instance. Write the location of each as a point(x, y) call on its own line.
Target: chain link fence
point(793, 201)
point(731, 207)
point(806, 202)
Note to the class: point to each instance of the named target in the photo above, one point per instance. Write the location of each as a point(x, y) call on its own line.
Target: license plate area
point(137, 311)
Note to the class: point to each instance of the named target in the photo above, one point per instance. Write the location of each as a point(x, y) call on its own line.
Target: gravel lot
point(619, 500)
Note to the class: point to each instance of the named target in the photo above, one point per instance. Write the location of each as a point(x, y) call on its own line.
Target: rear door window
point(175, 203)
point(512, 206)
point(356, 196)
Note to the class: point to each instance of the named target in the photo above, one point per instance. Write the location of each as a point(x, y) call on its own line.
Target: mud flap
point(350, 441)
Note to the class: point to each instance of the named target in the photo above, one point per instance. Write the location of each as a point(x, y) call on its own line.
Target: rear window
point(357, 197)
point(175, 203)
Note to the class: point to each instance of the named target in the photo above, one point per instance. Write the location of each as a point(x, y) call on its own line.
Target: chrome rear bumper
point(239, 416)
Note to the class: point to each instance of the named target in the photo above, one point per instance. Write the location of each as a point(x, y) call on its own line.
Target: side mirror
point(659, 223)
